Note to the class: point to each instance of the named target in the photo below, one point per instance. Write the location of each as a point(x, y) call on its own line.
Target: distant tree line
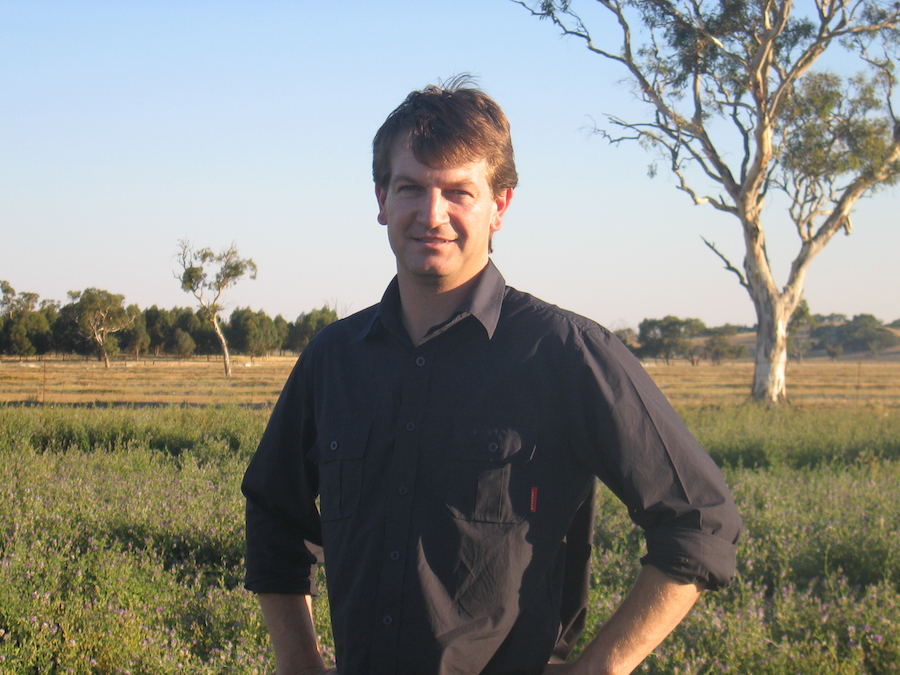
point(863, 333)
point(97, 323)
point(672, 338)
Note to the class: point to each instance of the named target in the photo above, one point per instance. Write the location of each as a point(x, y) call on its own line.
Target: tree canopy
point(98, 314)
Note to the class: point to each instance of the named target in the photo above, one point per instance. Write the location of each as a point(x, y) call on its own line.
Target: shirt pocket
point(339, 452)
point(489, 467)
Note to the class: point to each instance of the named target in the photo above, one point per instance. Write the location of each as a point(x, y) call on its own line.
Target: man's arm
point(289, 621)
point(651, 610)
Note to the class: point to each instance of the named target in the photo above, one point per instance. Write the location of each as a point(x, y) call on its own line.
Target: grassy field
point(259, 381)
point(121, 528)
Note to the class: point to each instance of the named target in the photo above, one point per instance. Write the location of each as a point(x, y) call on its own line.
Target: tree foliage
point(207, 275)
point(718, 346)
point(308, 325)
point(863, 333)
point(135, 339)
point(25, 327)
point(98, 315)
point(253, 333)
point(801, 321)
point(29, 327)
point(668, 338)
point(736, 105)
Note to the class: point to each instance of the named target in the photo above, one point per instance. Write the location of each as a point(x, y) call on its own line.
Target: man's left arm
point(651, 610)
point(634, 441)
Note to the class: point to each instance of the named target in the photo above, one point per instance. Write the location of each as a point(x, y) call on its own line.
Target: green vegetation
point(96, 323)
point(794, 437)
point(863, 333)
point(124, 538)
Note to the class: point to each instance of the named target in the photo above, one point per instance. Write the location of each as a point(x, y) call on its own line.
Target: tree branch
point(728, 265)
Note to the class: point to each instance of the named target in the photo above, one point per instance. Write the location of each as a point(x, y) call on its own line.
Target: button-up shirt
point(455, 481)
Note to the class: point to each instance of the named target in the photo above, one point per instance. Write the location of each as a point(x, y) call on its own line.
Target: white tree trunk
point(221, 336)
point(771, 354)
point(774, 308)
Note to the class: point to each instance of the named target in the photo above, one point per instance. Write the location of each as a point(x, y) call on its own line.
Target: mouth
point(432, 241)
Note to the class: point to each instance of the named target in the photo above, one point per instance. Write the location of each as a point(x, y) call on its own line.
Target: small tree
point(207, 275)
point(731, 97)
point(182, 344)
point(835, 351)
point(99, 315)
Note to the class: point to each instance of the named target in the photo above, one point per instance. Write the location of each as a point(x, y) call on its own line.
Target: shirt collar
point(483, 303)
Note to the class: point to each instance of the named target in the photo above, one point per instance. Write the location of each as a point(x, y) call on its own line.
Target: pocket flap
point(345, 440)
point(496, 444)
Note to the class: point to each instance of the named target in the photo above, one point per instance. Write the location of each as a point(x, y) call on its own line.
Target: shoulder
point(525, 311)
point(341, 332)
point(565, 337)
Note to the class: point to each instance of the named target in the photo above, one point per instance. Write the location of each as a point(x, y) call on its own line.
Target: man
point(453, 433)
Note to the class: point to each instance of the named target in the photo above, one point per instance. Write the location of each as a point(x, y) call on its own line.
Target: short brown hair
point(446, 125)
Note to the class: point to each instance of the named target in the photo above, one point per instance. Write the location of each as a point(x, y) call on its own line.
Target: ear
point(501, 203)
point(381, 196)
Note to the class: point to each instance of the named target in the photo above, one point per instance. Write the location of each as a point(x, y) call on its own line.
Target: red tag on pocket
point(534, 500)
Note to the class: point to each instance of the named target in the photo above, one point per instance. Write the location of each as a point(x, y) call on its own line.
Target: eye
point(461, 194)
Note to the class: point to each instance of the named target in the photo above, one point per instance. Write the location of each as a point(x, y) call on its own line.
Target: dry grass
point(148, 381)
point(259, 381)
point(816, 381)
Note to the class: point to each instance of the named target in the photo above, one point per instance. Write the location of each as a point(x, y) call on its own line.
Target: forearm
point(651, 610)
point(289, 621)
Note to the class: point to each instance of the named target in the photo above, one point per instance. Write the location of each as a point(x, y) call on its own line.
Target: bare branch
point(728, 265)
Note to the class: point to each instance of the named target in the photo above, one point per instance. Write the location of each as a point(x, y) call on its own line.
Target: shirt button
point(387, 620)
point(493, 447)
point(420, 361)
point(395, 555)
point(402, 490)
point(410, 426)
point(334, 445)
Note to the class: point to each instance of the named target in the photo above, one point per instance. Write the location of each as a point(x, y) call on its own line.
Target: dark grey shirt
point(456, 479)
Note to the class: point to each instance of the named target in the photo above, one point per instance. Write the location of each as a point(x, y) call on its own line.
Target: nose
point(433, 211)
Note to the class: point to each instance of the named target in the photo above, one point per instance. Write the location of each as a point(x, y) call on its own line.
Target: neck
point(424, 306)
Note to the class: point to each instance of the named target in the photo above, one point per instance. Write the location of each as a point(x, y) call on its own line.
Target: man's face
point(439, 220)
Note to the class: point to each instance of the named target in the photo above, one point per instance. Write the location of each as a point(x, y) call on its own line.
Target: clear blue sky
point(126, 126)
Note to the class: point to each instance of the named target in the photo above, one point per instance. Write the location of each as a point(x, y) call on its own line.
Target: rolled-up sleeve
point(632, 438)
point(283, 528)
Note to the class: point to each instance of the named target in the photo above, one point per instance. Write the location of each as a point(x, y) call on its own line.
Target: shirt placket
point(401, 503)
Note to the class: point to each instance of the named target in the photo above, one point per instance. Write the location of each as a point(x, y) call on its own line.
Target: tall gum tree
point(732, 93)
point(207, 275)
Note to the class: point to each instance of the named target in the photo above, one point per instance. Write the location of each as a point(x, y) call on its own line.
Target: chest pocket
point(339, 452)
point(488, 475)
